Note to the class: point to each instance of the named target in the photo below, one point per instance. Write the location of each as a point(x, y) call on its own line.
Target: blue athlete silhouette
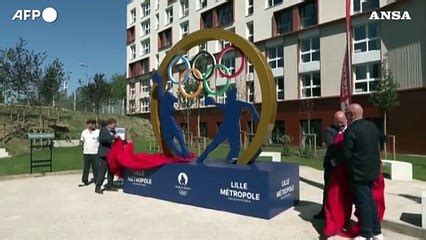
point(170, 130)
point(230, 128)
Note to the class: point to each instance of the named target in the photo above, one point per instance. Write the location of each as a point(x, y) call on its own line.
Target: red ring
point(242, 66)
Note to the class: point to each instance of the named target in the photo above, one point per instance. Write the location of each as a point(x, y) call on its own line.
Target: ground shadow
point(306, 211)
point(411, 197)
point(412, 218)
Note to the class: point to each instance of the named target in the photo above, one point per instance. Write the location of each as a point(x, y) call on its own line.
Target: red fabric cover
point(122, 156)
point(338, 206)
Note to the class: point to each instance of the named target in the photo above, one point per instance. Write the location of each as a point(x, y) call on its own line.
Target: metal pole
point(74, 96)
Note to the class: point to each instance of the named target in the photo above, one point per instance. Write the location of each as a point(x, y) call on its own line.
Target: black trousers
point(367, 209)
point(103, 168)
point(89, 160)
point(327, 174)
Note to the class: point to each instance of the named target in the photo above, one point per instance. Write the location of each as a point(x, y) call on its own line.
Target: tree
point(118, 85)
point(97, 92)
point(385, 98)
point(54, 76)
point(22, 72)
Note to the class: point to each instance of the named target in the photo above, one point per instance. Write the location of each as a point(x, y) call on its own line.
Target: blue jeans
point(364, 203)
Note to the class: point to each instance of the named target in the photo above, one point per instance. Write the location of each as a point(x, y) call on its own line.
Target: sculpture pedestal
point(262, 189)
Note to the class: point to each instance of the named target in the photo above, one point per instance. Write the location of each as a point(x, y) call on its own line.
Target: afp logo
point(49, 15)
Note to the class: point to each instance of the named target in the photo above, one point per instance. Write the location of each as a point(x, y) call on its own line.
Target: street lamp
point(85, 65)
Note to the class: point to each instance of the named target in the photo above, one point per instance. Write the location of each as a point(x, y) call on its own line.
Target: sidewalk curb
point(404, 229)
point(27, 175)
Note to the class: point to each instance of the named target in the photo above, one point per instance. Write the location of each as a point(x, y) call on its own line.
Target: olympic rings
point(240, 69)
point(227, 84)
point(208, 73)
point(205, 76)
point(181, 89)
point(173, 62)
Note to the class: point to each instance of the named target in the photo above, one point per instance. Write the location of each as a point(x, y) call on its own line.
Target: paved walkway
point(54, 207)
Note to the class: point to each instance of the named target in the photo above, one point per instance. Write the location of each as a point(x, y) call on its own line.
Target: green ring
point(220, 92)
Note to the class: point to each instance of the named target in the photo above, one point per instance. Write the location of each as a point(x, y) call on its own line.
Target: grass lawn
point(71, 159)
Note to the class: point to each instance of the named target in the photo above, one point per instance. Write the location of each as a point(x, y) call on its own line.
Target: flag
point(346, 78)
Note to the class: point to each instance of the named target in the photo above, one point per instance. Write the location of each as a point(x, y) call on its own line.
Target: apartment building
point(304, 42)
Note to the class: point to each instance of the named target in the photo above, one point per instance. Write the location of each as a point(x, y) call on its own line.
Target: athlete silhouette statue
point(230, 127)
point(170, 130)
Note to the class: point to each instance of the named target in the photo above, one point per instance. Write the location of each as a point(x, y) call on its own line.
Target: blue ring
point(172, 63)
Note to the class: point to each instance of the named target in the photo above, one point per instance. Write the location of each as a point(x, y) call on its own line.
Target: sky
point(92, 32)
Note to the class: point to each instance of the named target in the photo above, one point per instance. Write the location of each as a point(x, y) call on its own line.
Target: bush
point(286, 140)
point(305, 152)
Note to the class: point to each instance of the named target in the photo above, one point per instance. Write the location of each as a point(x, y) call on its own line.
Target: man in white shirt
point(90, 140)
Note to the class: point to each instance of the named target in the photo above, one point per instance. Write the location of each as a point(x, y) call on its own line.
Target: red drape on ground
point(338, 205)
point(122, 156)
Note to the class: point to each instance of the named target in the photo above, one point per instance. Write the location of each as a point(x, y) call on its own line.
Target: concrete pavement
point(54, 207)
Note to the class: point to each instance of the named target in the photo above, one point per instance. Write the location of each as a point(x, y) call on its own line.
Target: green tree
point(97, 92)
point(118, 86)
point(385, 98)
point(54, 76)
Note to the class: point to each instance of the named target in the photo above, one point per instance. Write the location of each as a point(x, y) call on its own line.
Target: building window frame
point(310, 88)
point(312, 53)
point(132, 51)
point(169, 15)
point(280, 88)
point(145, 104)
point(145, 9)
point(306, 19)
point(184, 8)
point(184, 29)
point(276, 56)
point(360, 6)
point(201, 4)
point(250, 7)
point(272, 3)
point(145, 47)
point(368, 38)
point(133, 16)
point(250, 31)
point(370, 80)
point(146, 27)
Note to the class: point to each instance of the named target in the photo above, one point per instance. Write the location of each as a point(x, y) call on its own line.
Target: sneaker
point(378, 237)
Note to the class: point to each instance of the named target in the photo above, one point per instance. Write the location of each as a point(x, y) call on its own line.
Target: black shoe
point(98, 190)
point(319, 215)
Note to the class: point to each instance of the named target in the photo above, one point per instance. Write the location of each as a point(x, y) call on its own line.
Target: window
point(144, 63)
point(272, 3)
point(225, 14)
point(146, 8)
point(278, 132)
point(146, 27)
point(249, 9)
point(308, 14)
point(207, 19)
point(157, 4)
point(202, 4)
point(132, 89)
point(169, 15)
point(203, 129)
point(276, 56)
point(132, 106)
point(250, 91)
point(157, 61)
point(203, 46)
point(133, 15)
point(145, 104)
point(309, 50)
point(229, 62)
point(311, 85)
point(157, 21)
point(145, 47)
point(145, 86)
point(284, 21)
point(133, 52)
point(366, 38)
point(365, 5)
point(279, 83)
point(184, 29)
point(250, 31)
point(165, 39)
point(367, 77)
point(184, 8)
point(311, 127)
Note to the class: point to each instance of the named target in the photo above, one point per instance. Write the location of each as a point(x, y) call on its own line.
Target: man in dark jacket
point(331, 154)
point(106, 138)
point(362, 154)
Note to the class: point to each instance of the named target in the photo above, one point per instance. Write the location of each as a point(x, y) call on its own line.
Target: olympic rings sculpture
point(203, 77)
point(264, 73)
